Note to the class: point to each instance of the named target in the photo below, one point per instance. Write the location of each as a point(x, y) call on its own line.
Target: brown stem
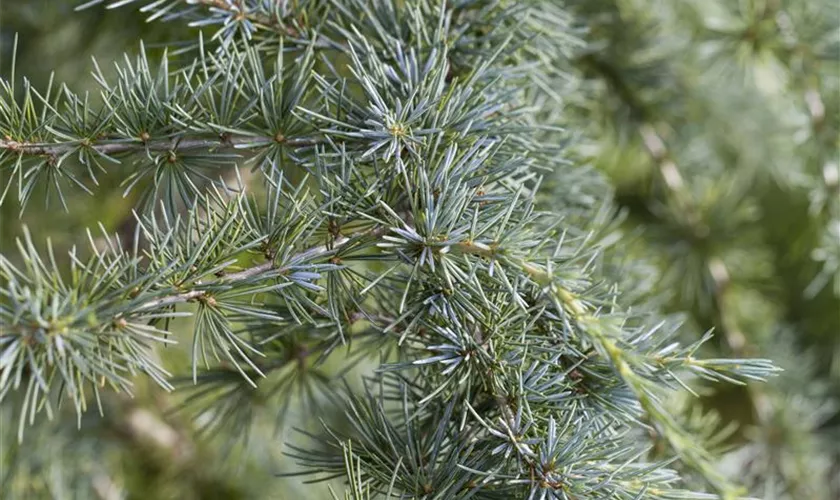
point(264, 268)
point(179, 143)
point(667, 168)
point(173, 299)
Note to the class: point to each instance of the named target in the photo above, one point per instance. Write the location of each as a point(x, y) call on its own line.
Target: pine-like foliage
point(387, 221)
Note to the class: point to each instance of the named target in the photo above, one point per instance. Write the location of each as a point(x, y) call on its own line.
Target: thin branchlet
point(175, 144)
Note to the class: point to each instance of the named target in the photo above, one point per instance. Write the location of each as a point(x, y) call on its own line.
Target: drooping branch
point(592, 326)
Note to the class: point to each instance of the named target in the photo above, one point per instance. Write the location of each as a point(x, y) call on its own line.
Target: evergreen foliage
point(468, 249)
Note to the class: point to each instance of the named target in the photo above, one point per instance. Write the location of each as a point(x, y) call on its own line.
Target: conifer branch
point(592, 326)
point(174, 144)
point(257, 271)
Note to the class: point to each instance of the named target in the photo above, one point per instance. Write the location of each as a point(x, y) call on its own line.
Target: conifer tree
point(427, 249)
